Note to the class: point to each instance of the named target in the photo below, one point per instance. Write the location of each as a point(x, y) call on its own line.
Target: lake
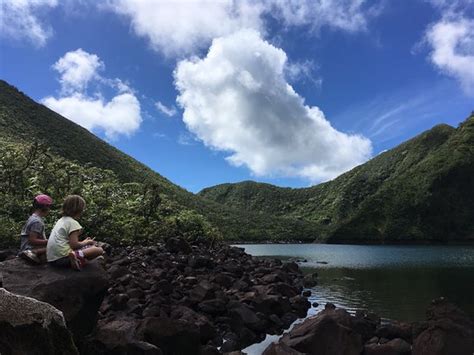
point(396, 282)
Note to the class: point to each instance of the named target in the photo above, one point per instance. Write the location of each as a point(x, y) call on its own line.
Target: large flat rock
point(77, 294)
point(28, 326)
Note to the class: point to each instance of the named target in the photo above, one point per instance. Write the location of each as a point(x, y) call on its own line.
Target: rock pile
point(187, 299)
point(333, 331)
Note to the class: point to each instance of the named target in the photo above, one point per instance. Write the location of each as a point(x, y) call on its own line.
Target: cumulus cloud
point(168, 111)
point(79, 69)
point(237, 99)
point(181, 27)
point(451, 41)
point(21, 20)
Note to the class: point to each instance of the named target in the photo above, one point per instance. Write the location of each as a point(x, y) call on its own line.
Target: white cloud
point(452, 43)
point(78, 69)
point(183, 26)
point(347, 15)
point(121, 115)
point(168, 111)
point(21, 20)
point(177, 27)
point(237, 100)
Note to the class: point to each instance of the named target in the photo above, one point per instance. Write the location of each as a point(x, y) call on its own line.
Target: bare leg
point(92, 252)
point(39, 251)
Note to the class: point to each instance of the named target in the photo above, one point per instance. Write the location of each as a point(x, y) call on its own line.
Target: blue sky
point(286, 92)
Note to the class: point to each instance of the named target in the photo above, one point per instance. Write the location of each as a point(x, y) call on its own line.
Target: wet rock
point(393, 347)
point(448, 331)
point(280, 349)
point(309, 281)
point(395, 330)
point(290, 267)
point(328, 333)
point(28, 326)
point(301, 305)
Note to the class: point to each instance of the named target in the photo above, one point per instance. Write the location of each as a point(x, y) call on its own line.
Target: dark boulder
point(178, 245)
point(328, 333)
point(118, 337)
point(7, 254)
point(395, 330)
point(280, 349)
point(392, 347)
point(206, 330)
point(310, 280)
point(243, 315)
point(301, 305)
point(78, 295)
point(28, 326)
point(448, 330)
point(172, 336)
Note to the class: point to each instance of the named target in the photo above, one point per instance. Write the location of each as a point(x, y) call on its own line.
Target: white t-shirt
point(58, 243)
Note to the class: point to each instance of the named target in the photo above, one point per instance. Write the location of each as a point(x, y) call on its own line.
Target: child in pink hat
point(33, 237)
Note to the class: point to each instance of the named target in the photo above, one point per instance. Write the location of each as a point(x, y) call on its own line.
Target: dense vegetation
point(116, 212)
point(64, 149)
point(422, 190)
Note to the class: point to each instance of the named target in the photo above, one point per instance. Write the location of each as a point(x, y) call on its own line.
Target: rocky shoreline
point(177, 298)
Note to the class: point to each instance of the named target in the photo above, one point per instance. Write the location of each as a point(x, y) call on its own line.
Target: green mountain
point(422, 190)
point(25, 124)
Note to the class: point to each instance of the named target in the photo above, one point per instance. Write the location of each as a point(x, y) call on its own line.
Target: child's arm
point(74, 242)
point(36, 239)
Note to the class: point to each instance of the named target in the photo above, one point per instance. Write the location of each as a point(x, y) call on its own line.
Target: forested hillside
point(422, 190)
point(41, 151)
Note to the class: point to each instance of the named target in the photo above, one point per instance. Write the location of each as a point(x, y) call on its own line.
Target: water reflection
point(397, 282)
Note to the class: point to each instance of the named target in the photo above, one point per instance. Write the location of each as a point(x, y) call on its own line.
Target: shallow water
point(396, 282)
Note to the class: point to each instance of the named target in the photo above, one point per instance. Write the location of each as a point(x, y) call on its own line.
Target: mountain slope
point(422, 190)
point(23, 120)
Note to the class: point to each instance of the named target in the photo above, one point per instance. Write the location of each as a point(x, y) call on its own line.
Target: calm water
point(397, 282)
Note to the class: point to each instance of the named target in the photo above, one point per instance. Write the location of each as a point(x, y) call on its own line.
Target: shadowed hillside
point(422, 190)
point(24, 122)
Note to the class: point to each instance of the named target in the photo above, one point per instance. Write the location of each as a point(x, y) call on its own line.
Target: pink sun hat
point(44, 200)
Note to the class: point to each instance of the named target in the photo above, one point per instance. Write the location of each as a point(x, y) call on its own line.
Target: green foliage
point(23, 120)
point(420, 190)
point(116, 212)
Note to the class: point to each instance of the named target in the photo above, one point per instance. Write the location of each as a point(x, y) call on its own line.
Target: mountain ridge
point(342, 208)
point(24, 120)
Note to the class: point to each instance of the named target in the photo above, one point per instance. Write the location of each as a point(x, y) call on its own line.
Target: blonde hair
point(73, 206)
